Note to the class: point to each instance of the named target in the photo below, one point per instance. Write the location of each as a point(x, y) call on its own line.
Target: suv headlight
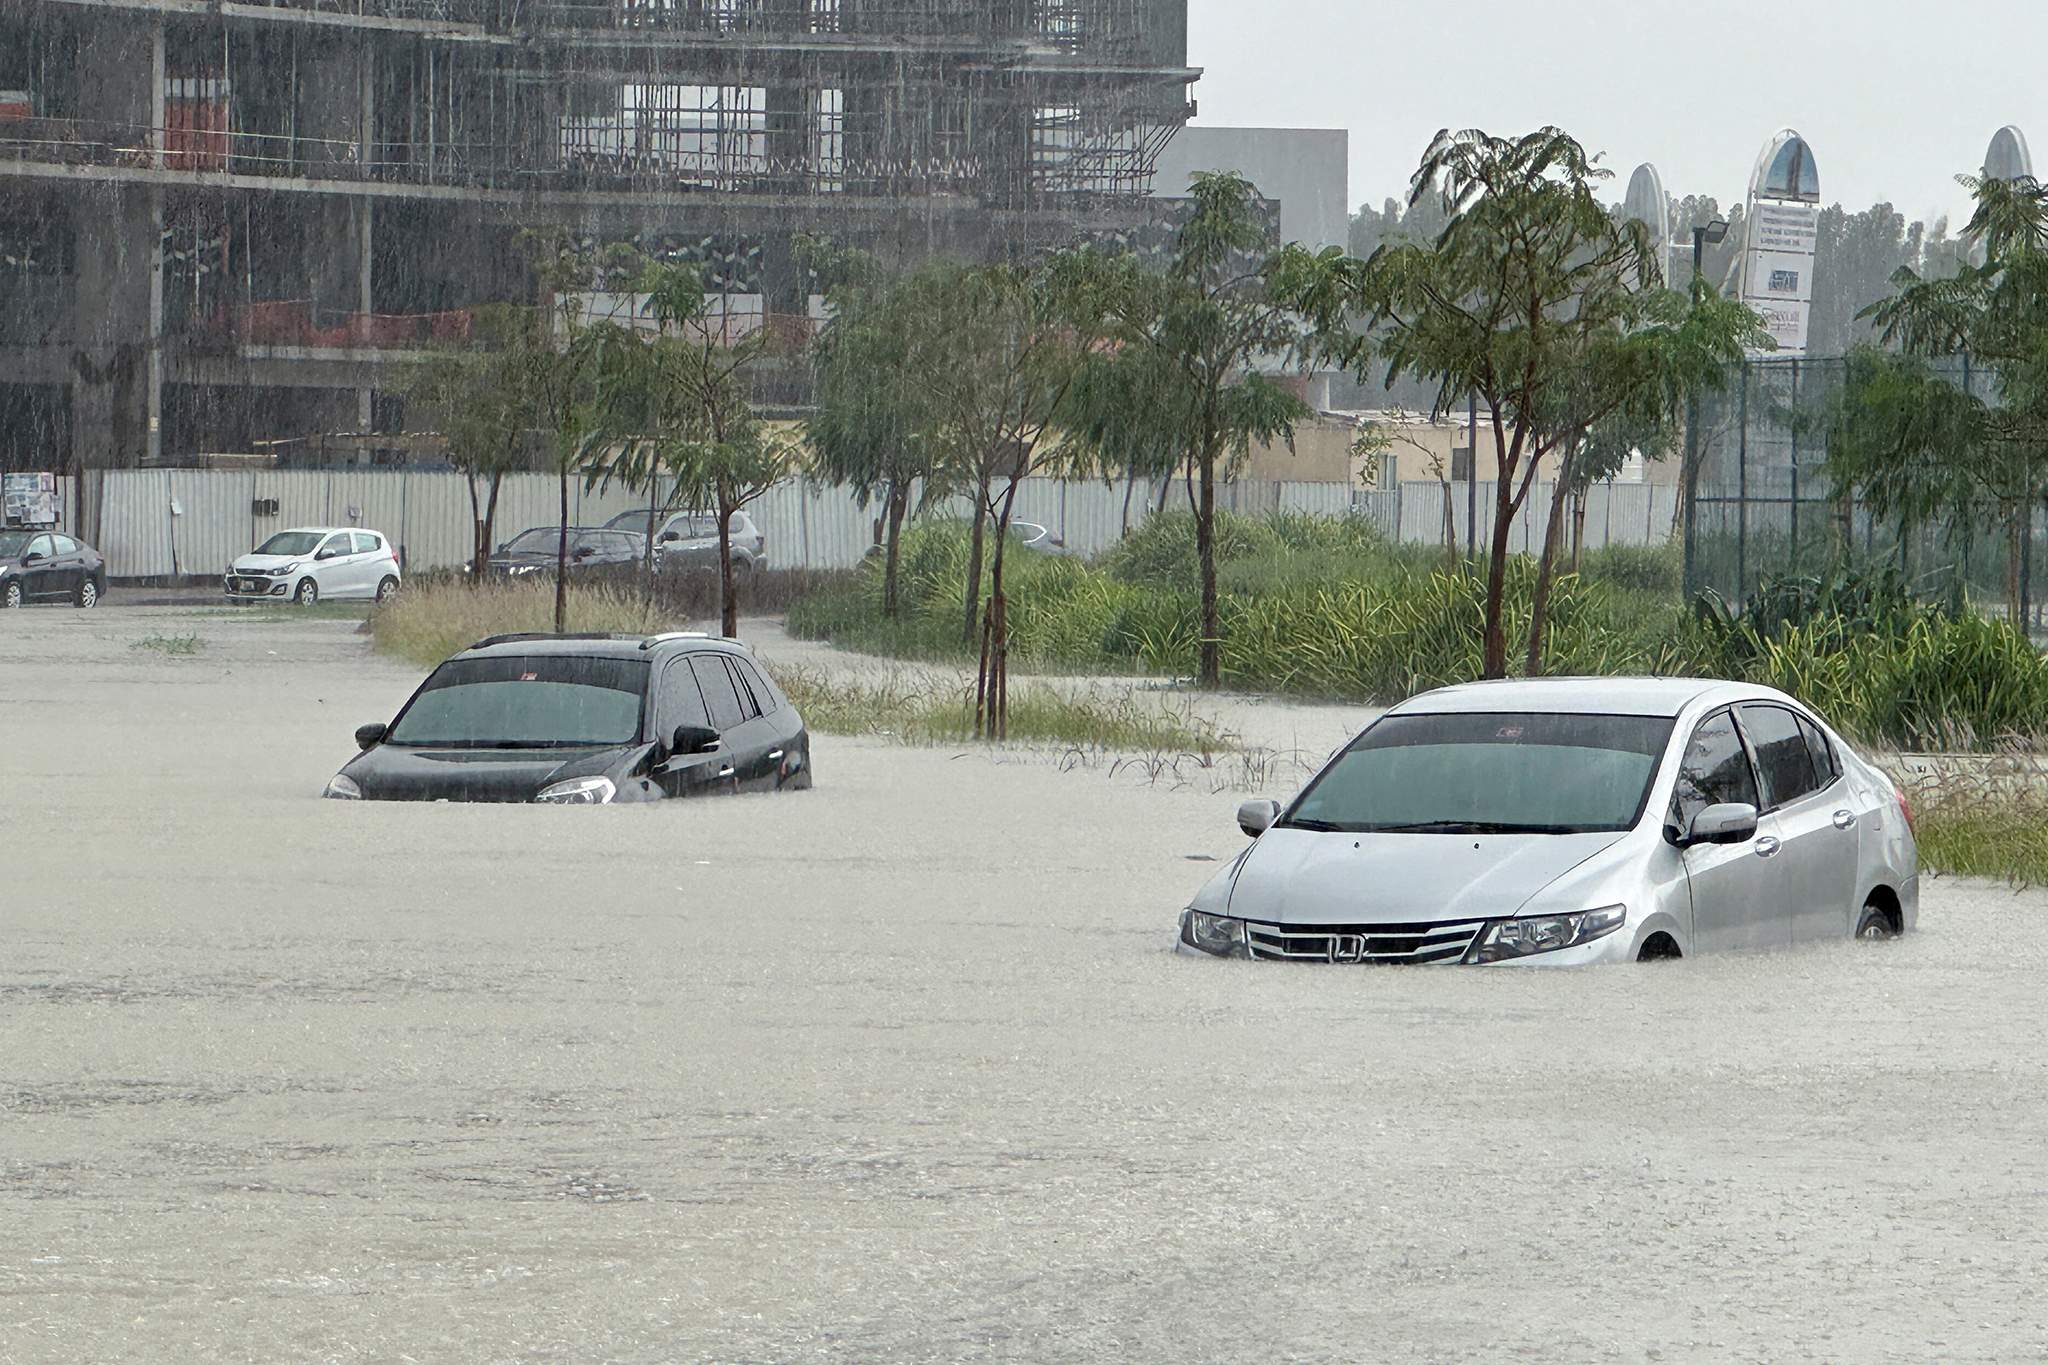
point(1512, 938)
point(1216, 934)
point(579, 791)
point(342, 787)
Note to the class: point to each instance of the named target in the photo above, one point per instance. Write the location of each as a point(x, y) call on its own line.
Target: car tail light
point(1905, 807)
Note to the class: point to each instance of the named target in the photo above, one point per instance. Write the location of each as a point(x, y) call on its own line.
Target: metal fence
point(187, 523)
point(1766, 506)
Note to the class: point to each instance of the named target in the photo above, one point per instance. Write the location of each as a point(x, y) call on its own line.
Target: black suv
point(583, 720)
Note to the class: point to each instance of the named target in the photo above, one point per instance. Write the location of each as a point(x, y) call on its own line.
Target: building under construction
point(225, 223)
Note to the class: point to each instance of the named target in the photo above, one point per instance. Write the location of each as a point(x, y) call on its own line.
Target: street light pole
point(1715, 232)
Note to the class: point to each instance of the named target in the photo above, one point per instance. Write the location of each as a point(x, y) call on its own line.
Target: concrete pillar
point(116, 320)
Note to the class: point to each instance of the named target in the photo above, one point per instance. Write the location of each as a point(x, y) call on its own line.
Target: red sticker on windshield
point(1508, 732)
point(529, 677)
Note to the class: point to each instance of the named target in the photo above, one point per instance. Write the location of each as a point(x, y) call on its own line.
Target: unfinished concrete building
point(223, 223)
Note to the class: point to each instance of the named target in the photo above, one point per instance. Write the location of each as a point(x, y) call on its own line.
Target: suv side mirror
point(1730, 822)
point(694, 739)
point(369, 736)
point(1256, 817)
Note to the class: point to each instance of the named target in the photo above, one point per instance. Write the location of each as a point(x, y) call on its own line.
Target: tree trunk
point(893, 511)
point(1130, 486)
point(991, 690)
point(1166, 490)
point(1539, 601)
point(1494, 640)
point(1450, 528)
point(488, 535)
point(1578, 528)
point(728, 603)
point(1205, 549)
point(974, 553)
point(653, 485)
point(2012, 564)
point(562, 559)
point(476, 531)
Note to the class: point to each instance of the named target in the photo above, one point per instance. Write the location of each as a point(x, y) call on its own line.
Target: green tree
point(673, 400)
point(875, 429)
point(480, 403)
point(1179, 352)
point(1533, 298)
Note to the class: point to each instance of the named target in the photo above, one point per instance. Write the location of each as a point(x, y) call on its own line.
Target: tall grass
point(434, 618)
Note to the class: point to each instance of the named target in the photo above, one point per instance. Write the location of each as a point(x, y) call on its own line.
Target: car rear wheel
point(385, 588)
point(10, 597)
point(88, 593)
point(308, 593)
point(1876, 922)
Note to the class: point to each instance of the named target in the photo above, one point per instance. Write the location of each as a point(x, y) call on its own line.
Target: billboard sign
point(1782, 226)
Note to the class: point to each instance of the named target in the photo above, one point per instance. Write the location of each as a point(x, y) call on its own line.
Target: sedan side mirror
point(694, 739)
point(1730, 822)
point(1256, 817)
point(369, 736)
point(667, 536)
point(32, 557)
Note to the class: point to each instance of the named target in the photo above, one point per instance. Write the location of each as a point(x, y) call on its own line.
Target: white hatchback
point(308, 563)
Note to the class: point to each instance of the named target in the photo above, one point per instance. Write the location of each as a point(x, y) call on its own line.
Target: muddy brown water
point(902, 1069)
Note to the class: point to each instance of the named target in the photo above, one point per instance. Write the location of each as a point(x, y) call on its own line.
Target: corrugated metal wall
point(162, 522)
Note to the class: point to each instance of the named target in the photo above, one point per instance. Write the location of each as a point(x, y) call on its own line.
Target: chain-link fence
point(1765, 506)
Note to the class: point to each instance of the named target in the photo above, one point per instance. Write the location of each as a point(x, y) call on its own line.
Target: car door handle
point(1767, 847)
point(726, 771)
point(775, 755)
point(1844, 819)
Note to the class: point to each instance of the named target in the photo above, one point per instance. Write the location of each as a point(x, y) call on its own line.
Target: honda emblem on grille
point(1347, 948)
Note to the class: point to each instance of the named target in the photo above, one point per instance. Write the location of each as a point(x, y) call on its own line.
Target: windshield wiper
point(1316, 826)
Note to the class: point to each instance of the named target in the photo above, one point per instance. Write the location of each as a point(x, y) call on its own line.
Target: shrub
point(436, 617)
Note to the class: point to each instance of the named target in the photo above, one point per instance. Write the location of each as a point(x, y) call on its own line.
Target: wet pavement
point(903, 1069)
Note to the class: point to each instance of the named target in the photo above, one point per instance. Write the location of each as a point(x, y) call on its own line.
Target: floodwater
point(903, 1069)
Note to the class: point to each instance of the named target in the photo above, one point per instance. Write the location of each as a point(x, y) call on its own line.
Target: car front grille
point(1412, 943)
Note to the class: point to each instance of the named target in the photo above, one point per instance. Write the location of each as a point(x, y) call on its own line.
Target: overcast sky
point(1895, 96)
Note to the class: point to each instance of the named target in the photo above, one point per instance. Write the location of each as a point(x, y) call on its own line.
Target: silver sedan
point(1568, 821)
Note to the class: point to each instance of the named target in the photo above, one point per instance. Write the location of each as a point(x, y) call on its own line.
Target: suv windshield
point(1488, 773)
point(526, 702)
point(541, 539)
point(292, 543)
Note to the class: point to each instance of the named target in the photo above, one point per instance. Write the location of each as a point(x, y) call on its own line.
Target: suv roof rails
point(518, 635)
point(661, 636)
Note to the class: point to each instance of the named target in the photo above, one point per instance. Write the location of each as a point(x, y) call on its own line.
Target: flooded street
point(904, 1069)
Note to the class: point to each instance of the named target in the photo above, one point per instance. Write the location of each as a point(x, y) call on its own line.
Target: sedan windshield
point(12, 543)
point(535, 702)
point(1481, 773)
point(292, 543)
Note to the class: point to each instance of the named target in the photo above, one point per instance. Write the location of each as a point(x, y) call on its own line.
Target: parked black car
point(585, 720)
point(590, 547)
point(48, 566)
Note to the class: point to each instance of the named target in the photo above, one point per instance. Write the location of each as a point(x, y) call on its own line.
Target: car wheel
point(1876, 922)
point(308, 593)
point(88, 593)
point(11, 597)
point(387, 587)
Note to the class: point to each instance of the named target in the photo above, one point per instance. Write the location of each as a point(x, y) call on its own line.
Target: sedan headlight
point(1217, 934)
point(579, 791)
point(292, 567)
point(1508, 939)
point(342, 787)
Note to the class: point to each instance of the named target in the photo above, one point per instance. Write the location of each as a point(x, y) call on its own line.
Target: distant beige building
point(1328, 449)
